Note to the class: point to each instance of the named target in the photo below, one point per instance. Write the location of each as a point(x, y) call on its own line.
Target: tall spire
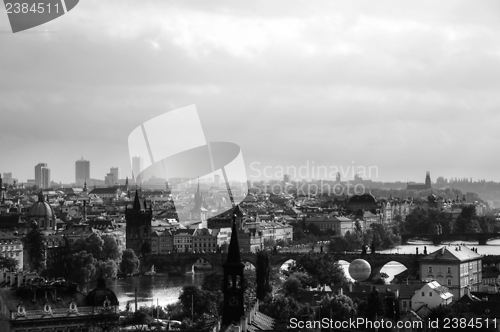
point(197, 199)
point(137, 203)
point(1, 190)
point(233, 252)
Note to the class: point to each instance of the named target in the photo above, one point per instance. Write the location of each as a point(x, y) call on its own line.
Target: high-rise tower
point(137, 164)
point(42, 176)
point(82, 171)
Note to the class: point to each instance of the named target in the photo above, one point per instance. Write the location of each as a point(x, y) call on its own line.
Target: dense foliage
point(322, 268)
point(433, 221)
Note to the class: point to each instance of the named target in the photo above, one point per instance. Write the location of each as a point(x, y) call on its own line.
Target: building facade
point(82, 172)
point(42, 176)
point(456, 267)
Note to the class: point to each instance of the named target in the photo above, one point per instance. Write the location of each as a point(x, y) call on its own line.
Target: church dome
point(41, 209)
point(102, 296)
point(362, 199)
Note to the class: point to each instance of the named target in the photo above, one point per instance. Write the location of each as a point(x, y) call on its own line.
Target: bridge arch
point(391, 268)
point(286, 265)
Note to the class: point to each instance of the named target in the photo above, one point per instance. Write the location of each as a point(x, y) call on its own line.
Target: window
point(449, 282)
point(423, 294)
point(449, 270)
point(404, 304)
point(430, 294)
point(430, 269)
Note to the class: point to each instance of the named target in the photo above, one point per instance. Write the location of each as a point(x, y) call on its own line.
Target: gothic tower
point(138, 219)
point(428, 180)
point(198, 212)
point(2, 197)
point(233, 284)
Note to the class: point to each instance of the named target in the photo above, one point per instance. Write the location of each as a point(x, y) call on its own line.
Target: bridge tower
point(138, 220)
point(233, 284)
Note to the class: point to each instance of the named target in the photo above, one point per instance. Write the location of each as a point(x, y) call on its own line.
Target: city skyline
point(113, 176)
point(402, 87)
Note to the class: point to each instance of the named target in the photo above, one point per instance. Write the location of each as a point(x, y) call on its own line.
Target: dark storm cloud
point(393, 84)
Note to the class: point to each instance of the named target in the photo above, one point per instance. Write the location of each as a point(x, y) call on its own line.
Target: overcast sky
point(403, 86)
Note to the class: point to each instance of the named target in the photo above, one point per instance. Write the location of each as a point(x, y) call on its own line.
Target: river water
point(164, 290)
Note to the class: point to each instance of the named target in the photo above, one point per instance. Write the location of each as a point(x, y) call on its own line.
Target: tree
point(109, 269)
point(92, 245)
point(338, 308)
point(82, 267)
point(375, 305)
point(291, 287)
point(467, 221)
point(322, 267)
point(339, 244)
point(35, 243)
point(196, 302)
point(129, 263)
point(110, 248)
point(281, 307)
point(8, 263)
point(262, 272)
point(138, 319)
point(314, 229)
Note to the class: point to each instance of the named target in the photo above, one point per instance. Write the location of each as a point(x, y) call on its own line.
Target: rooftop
point(452, 253)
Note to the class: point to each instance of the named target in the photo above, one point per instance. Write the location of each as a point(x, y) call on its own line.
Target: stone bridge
point(180, 263)
point(481, 238)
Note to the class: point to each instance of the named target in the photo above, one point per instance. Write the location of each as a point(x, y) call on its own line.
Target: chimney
point(350, 288)
point(442, 250)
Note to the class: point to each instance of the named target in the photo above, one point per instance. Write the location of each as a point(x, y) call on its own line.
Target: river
point(164, 290)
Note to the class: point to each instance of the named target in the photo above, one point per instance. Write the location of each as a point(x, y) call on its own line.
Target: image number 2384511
point(26, 14)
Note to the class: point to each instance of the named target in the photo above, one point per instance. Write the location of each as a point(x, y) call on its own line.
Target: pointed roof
point(137, 204)
point(233, 252)
point(198, 200)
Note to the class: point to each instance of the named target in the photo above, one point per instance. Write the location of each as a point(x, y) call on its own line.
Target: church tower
point(2, 197)
point(198, 212)
point(138, 219)
point(428, 180)
point(233, 284)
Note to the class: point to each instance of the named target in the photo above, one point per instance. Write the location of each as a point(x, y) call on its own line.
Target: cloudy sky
point(403, 86)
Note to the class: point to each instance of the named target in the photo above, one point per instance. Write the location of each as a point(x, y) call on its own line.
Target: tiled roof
point(104, 191)
point(452, 253)
point(261, 322)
